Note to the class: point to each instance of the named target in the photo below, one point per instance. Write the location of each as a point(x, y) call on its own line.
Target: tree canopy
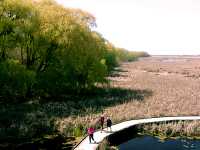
point(46, 49)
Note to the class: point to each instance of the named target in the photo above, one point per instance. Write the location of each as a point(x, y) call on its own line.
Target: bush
point(15, 79)
point(111, 60)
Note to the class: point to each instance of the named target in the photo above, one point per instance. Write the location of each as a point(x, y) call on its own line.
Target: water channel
point(152, 143)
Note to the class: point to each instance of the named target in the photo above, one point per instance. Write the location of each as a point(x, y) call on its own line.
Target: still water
point(152, 143)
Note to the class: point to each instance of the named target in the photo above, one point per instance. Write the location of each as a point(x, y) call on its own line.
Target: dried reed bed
point(173, 93)
point(173, 129)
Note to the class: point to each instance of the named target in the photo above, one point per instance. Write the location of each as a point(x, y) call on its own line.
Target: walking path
point(98, 136)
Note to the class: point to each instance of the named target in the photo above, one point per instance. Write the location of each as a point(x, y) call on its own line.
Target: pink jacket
point(90, 130)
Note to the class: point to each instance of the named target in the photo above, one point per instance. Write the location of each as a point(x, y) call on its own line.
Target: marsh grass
point(38, 117)
point(170, 95)
point(173, 129)
point(105, 145)
point(133, 94)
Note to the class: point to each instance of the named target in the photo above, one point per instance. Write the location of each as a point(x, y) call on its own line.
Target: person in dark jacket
point(102, 122)
point(109, 123)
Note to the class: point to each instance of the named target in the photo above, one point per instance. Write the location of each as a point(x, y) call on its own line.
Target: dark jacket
point(109, 123)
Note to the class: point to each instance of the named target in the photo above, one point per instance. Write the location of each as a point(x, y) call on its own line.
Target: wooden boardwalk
point(98, 136)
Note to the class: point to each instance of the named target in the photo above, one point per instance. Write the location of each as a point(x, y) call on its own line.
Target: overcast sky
point(155, 26)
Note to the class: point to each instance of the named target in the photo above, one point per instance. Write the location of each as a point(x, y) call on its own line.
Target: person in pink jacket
point(90, 132)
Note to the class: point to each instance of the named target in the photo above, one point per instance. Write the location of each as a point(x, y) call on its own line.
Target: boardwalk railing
point(99, 137)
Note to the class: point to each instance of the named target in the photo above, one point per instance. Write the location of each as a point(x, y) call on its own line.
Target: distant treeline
point(46, 49)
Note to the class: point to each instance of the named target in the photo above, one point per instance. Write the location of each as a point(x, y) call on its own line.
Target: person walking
point(90, 132)
point(102, 122)
point(109, 123)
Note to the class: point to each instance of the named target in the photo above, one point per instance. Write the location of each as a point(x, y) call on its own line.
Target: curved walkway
point(98, 136)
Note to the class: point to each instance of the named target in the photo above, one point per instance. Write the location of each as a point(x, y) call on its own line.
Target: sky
point(159, 27)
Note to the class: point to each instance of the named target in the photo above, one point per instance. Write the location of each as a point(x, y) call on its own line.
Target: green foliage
point(125, 55)
point(15, 79)
point(111, 60)
point(51, 53)
point(79, 130)
point(114, 56)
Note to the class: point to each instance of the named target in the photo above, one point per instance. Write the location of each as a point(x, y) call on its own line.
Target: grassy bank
point(37, 118)
point(179, 129)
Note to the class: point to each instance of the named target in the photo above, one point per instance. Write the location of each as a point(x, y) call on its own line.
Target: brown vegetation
point(172, 94)
point(173, 129)
point(146, 88)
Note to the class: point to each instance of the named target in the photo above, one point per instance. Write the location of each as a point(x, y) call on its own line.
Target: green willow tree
point(77, 51)
point(57, 49)
point(46, 49)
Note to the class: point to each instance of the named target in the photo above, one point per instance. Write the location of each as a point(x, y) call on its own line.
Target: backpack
point(109, 122)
